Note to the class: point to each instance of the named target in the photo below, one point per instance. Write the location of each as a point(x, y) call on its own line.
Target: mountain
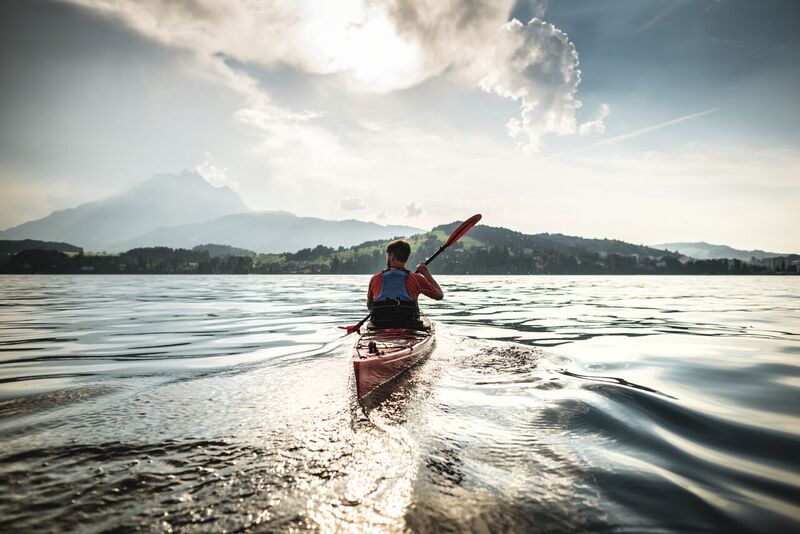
point(183, 211)
point(267, 232)
point(705, 251)
point(163, 200)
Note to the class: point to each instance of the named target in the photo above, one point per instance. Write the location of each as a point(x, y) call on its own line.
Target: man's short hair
point(400, 249)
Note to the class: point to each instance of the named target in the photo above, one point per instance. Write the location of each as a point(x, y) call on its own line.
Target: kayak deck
point(381, 355)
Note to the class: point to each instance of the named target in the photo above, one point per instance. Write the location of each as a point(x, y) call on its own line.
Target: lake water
point(202, 403)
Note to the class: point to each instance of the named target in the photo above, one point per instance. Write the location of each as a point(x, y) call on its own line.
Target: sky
point(649, 121)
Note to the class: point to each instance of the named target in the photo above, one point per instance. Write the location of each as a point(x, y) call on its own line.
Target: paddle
point(457, 234)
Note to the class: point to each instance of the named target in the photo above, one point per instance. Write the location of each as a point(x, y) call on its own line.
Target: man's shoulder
point(418, 278)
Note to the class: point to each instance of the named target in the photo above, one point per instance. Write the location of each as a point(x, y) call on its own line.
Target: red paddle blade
point(465, 227)
point(351, 328)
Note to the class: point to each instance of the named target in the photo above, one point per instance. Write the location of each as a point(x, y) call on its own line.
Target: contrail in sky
point(649, 129)
point(640, 132)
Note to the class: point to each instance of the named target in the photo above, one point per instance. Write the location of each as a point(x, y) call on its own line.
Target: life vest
point(393, 285)
point(394, 307)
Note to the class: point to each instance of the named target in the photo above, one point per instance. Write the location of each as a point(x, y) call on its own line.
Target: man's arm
point(369, 293)
point(437, 293)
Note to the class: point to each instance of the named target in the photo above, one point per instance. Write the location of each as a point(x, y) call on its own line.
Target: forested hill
point(566, 244)
point(493, 250)
point(485, 250)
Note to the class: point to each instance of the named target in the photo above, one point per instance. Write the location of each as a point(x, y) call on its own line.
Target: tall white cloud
point(537, 65)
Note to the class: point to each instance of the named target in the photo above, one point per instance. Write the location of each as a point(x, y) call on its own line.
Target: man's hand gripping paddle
point(457, 234)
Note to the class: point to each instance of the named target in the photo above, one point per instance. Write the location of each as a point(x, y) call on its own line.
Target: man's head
point(398, 251)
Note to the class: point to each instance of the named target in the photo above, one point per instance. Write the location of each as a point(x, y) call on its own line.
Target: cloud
point(596, 125)
point(216, 176)
point(380, 216)
point(452, 34)
point(537, 65)
point(352, 204)
point(412, 210)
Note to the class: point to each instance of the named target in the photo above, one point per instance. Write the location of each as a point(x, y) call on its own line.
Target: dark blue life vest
point(394, 307)
point(393, 286)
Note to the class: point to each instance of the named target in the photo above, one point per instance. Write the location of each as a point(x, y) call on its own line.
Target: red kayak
point(379, 355)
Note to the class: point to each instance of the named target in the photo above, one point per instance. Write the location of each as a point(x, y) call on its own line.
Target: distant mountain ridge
point(183, 211)
point(163, 200)
point(268, 232)
point(706, 251)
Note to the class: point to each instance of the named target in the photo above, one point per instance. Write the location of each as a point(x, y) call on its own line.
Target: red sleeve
point(419, 284)
point(375, 285)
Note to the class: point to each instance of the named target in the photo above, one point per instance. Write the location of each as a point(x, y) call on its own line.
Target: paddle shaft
point(358, 325)
point(441, 249)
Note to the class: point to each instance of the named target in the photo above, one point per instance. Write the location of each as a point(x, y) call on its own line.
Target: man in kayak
point(393, 293)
